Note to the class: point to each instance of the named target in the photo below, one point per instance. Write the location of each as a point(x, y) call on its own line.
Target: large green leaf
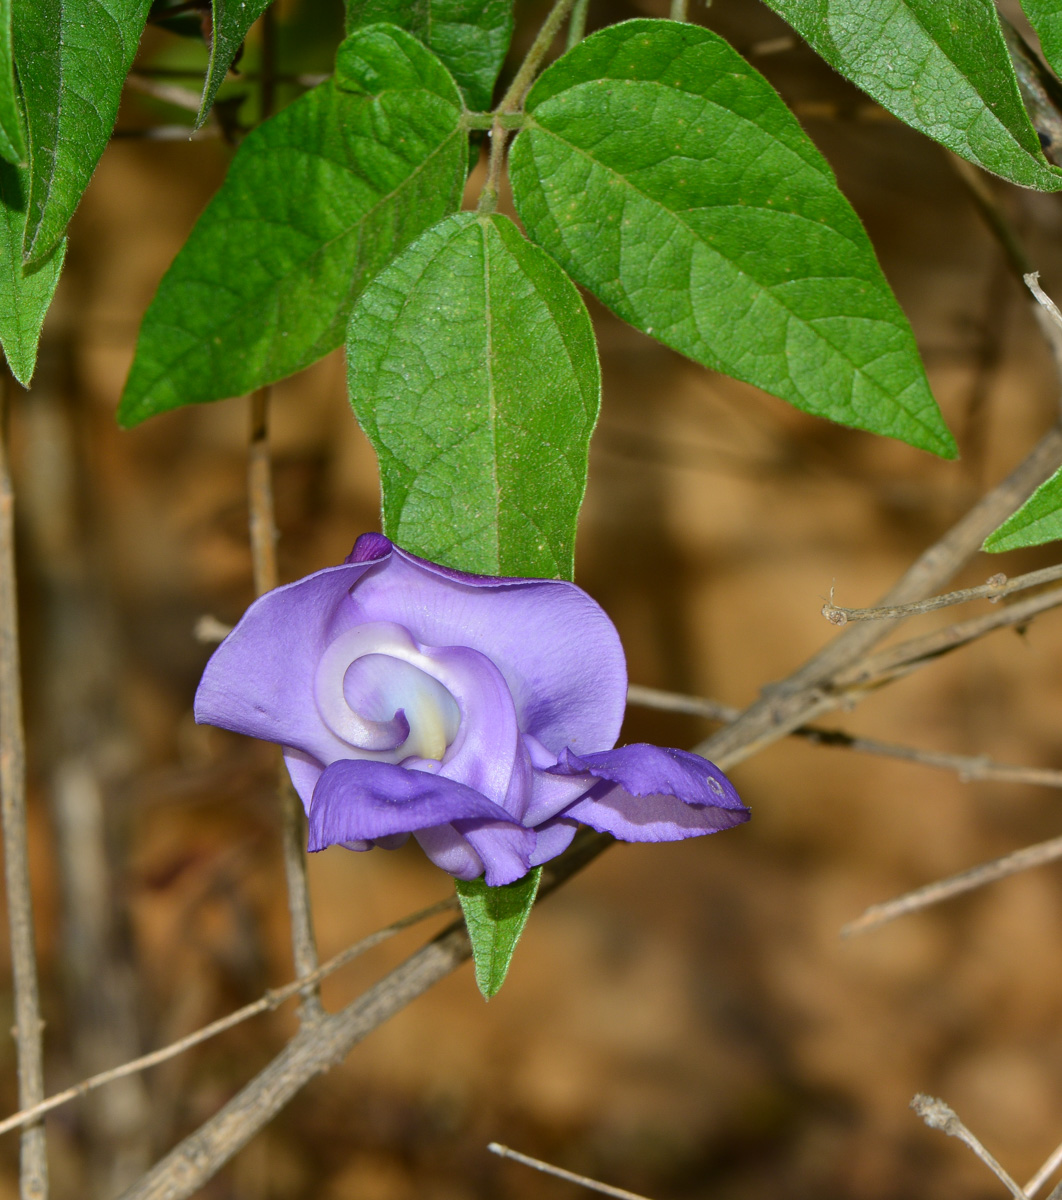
point(316, 201)
point(12, 143)
point(230, 21)
point(495, 917)
point(669, 178)
point(473, 370)
point(939, 65)
point(470, 36)
point(72, 57)
point(1045, 16)
point(25, 292)
point(1038, 520)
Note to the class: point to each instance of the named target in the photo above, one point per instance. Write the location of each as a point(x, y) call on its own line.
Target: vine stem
point(263, 533)
point(513, 101)
point(264, 558)
point(33, 1174)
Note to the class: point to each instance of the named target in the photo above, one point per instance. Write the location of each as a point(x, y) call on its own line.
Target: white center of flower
point(374, 692)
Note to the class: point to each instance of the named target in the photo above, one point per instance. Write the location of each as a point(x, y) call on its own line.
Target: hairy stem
point(33, 1176)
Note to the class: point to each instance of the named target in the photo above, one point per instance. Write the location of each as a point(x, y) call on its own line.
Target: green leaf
point(72, 56)
point(231, 21)
point(12, 143)
point(941, 66)
point(1045, 16)
point(470, 36)
point(668, 177)
point(316, 201)
point(25, 292)
point(1038, 520)
point(473, 371)
point(496, 917)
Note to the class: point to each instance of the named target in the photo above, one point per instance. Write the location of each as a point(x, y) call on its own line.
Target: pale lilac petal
point(557, 650)
point(305, 771)
point(260, 680)
point(361, 800)
point(450, 851)
point(651, 794)
point(553, 838)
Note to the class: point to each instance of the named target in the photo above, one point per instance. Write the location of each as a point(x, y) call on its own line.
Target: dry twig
point(966, 881)
point(994, 590)
point(28, 1029)
point(273, 999)
point(938, 1115)
point(967, 766)
point(546, 1168)
point(264, 557)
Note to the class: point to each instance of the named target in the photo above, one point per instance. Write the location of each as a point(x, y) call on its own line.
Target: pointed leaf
point(470, 36)
point(1038, 520)
point(495, 917)
point(668, 177)
point(25, 292)
point(473, 370)
point(941, 66)
point(72, 56)
point(12, 143)
point(316, 201)
point(1045, 16)
point(230, 23)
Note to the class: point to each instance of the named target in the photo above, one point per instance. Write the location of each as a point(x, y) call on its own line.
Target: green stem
point(680, 10)
point(525, 76)
point(577, 25)
point(513, 101)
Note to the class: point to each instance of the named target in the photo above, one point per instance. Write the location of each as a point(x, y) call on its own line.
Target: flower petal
point(651, 794)
point(553, 838)
point(557, 650)
point(260, 680)
point(361, 800)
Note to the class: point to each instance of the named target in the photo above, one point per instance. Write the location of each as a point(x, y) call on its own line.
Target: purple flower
point(476, 713)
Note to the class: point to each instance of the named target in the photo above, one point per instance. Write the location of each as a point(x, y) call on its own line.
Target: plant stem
point(525, 76)
point(33, 1177)
point(577, 25)
point(513, 100)
point(264, 558)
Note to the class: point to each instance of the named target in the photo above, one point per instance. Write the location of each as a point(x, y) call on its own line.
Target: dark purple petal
point(361, 800)
point(651, 794)
point(558, 652)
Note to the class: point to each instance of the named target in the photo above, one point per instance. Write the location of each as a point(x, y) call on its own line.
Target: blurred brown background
point(684, 1020)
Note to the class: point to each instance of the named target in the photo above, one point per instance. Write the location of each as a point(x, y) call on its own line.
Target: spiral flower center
point(374, 691)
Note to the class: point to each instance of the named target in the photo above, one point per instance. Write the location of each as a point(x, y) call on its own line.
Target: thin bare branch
point(317, 1047)
point(1032, 282)
point(967, 766)
point(1051, 1165)
point(33, 1174)
point(546, 1168)
point(938, 1115)
point(994, 590)
point(293, 821)
point(966, 881)
point(271, 1000)
point(908, 656)
point(796, 700)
